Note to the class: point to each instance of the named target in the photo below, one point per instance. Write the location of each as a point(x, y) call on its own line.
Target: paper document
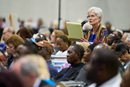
point(74, 30)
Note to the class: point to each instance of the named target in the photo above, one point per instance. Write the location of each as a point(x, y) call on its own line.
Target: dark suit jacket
point(69, 73)
point(82, 75)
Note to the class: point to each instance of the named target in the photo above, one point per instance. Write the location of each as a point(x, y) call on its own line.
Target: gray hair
point(34, 64)
point(29, 67)
point(96, 10)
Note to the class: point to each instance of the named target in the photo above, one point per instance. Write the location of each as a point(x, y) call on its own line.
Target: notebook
point(74, 30)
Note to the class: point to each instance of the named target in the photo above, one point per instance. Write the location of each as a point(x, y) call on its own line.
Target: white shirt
point(60, 53)
point(126, 65)
point(113, 82)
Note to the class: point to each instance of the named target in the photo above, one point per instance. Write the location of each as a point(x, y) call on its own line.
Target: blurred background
point(115, 11)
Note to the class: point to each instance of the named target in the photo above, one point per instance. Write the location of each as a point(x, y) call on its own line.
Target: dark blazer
point(82, 75)
point(69, 73)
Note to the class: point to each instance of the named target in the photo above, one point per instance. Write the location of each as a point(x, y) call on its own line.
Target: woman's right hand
point(83, 40)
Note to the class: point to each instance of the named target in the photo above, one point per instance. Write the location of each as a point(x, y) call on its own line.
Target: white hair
point(96, 10)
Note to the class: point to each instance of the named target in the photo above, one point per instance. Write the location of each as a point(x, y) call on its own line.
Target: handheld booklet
point(74, 30)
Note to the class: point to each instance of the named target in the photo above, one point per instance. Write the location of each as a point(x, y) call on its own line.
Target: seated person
point(126, 78)
point(11, 44)
point(24, 49)
point(122, 51)
point(103, 69)
point(45, 49)
point(54, 36)
point(86, 57)
point(63, 43)
point(33, 71)
point(74, 57)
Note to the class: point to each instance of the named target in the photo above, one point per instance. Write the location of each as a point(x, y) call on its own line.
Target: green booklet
point(74, 30)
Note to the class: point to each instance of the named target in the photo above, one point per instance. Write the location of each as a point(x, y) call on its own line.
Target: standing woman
point(98, 33)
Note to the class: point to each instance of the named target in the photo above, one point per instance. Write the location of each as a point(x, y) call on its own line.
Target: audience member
point(82, 74)
point(122, 51)
point(63, 42)
point(118, 34)
point(11, 44)
point(110, 39)
point(21, 23)
point(53, 26)
point(45, 49)
point(85, 46)
point(3, 46)
point(7, 32)
point(33, 71)
point(1, 32)
point(3, 59)
point(108, 26)
point(40, 24)
point(89, 51)
point(24, 49)
point(103, 69)
point(74, 57)
point(127, 40)
point(126, 78)
point(98, 33)
point(102, 46)
point(116, 41)
point(40, 37)
point(54, 36)
point(26, 34)
point(1, 22)
point(45, 32)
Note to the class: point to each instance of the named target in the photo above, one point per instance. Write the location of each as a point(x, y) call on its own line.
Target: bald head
point(100, 46)
point(103, 66)
point(107, 57)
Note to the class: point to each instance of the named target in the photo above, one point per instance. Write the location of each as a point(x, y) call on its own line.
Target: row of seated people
point(74, 57)
point(43, 46)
